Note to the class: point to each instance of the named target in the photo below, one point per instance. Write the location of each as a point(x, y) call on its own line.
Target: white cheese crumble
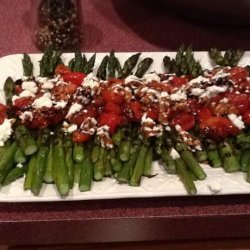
point(214, 185)
point(220, 74)
point(26, 115)
point(5, 131)
point(76, 107)
point(26, 93)
point(197, 91)
point(43, 101)
point(30, 86)
point(48, 85)
point(41, 79)
point(19, 165)
point(178, 96)
point(132, 78)
point(198, 81)
point(174, 154)
point(61, 104)
point(91, 81)
point(71, 128)
point(237, 121)
point(151, 77)
point(214, 90)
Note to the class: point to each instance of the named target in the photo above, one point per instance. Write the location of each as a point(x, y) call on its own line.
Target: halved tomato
point(111, 120)
point(80, 137)
point(74, 77)
point(185, 120)
point(62, 70)
point(109, 95)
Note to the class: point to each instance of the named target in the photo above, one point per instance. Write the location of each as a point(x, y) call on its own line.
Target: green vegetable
point(27, 65)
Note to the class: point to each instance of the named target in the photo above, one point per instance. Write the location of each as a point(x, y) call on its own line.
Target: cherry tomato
point(111, 120)
point(179, 81)
point(62, 70)
point(160, 86)
point(22, 102)
point(74, 77)
point(152, 112)
point(218, 127)
point(70, 88)
point(109, 95)
point(38, 122)
point(238, 74)
point(136, 108)
point(185, 120)
point(79, 117)
point(111, 107)
point(80, 137)
point(3, 114)
point(240, 101)
point(18, 89)
point(204, 113)
point(246, 117)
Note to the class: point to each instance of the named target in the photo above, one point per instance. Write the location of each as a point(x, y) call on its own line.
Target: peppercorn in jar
point(58, 24)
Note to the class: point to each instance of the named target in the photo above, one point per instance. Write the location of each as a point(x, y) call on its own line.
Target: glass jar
point(57, 23)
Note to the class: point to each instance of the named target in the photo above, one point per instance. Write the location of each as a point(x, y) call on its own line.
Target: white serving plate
point(162, 185)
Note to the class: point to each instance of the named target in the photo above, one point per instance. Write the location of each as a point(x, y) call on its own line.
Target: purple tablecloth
point(123, 25)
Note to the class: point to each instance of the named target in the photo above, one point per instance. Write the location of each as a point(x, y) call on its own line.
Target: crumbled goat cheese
point(26, 115)
point(220, 74)
point(48, 85)
point(174, 154)
point(178, 96)
point(214, 185)
point(19, 165)
point(90, 81)
point(151, 77)
point(14, 98)
point(72, 128)
point(31, 86)
point(197, 91)
point(132, 78)
point(76, 107)
point(5, 131)
point(198, 81)
point(212, 91)
point(41, 79)
point(237, 121)
point(164, 94)
point(61, 104)
point(43, 101)
point(26, 93)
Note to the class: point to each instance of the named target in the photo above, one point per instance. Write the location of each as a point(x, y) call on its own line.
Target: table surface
point(124, 25)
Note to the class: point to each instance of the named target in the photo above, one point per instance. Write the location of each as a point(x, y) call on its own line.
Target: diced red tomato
point(38, 122)
point(79, 117)
point(111, 107)
point(3, 114)
point(18, 89)
point(179, 81)
point(62, 70)
point(240, 101)
point(70, 88)
point(152, 112)
point(238, 74)
point(22, 102)
point(218, 127)
point(115, 81)
point(185, 120)
point(246, 117)
point(161, 86)
point(111, 120)
point(109, 95)
point(80, 137)
point(204, 113)
point(74, 77)
point(136, 108)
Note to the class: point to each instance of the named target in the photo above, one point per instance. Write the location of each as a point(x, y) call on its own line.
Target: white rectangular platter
point(162, 185)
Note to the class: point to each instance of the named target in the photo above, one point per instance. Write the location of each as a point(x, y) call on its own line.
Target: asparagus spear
point(129, 65)
point(41, 161)
point(90, 64)
point(9, 86)
point(143, 66)
point(102, 70)
point(27, 65)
